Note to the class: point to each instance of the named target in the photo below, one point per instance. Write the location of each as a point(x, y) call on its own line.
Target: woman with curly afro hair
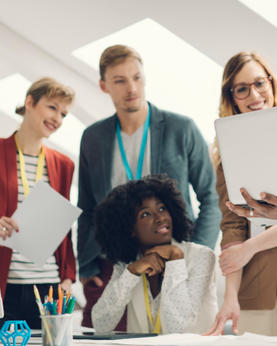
point(166, 282)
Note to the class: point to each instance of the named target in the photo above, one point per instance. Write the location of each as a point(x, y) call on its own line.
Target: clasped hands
point(153, 260)
point(152, 263)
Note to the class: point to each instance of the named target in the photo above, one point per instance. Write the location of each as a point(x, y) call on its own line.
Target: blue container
point(15, 333)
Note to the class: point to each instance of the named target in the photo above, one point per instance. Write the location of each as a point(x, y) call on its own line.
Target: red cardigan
point(60, 171)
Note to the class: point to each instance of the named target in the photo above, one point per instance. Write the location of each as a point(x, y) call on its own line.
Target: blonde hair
point(115, 55)
point(50, 88)
point(227, 105)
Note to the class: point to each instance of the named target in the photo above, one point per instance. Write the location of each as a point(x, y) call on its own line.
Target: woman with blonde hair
point(250, 296)
point(24, 161)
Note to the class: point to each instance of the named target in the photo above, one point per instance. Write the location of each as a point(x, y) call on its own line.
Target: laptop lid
point(248, 148)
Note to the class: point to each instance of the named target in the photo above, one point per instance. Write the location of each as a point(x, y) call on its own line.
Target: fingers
point(98, 282)
point(226, 270)
point(7, 226)
point(249, 200)
point(258, 208)
point(66, 285)
point(212, 329)
point(150, 264)
point(162, 250)
point(5, 231)
point(148, 252)
point(240, 211)
point(221, 263)
point(246, 212)
point(269, 198)
point(10, 223)
point(235, 324)
point(223, 258)
point(163, 257)
point(230, 259)
point(217, 328)
point(156, 264)
point(95, 279)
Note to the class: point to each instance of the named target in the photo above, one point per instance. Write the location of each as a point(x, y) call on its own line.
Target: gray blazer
point(177, 148)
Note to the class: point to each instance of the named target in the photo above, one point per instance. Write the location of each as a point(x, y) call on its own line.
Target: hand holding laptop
point(248, 162)
point(266, 207)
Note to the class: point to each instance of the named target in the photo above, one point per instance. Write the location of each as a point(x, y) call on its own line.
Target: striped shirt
point(22, 270)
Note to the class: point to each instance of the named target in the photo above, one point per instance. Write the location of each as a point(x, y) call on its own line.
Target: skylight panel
point(266, 9)
point(13, 90)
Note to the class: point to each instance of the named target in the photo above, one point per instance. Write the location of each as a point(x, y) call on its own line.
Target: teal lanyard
point(142, 148)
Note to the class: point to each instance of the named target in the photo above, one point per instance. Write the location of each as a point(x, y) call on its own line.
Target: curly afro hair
point(115, 217)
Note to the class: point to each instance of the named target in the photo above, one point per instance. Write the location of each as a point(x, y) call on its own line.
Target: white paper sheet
point(171, 339)
point(43, 218)
point(247, 339)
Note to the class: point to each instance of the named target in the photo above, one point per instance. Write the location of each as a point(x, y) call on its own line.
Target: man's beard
point(132, 109)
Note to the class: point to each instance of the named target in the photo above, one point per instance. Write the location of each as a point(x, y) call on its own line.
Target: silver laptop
point(248, 148)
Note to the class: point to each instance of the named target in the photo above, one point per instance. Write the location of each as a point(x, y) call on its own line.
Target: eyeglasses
point(242, 91)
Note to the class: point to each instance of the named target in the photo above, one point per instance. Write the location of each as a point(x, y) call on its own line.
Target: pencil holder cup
point(56, 330)
point(15, 333)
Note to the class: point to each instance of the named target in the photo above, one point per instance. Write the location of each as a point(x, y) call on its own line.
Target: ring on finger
point(4, 229)
point(251, 212)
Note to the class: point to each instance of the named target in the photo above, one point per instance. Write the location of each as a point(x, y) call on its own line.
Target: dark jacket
point(177, 148)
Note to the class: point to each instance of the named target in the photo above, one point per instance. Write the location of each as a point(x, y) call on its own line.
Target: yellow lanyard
point(157, 327)
point(22, 167)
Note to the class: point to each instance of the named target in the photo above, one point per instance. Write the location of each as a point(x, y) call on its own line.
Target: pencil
point(40, 307)
point(68, 296)
point(50, 295)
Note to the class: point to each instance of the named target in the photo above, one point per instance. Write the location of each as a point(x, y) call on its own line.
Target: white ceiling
point(37, 38)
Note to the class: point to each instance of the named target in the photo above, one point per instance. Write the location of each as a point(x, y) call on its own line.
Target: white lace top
point(187, 298)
